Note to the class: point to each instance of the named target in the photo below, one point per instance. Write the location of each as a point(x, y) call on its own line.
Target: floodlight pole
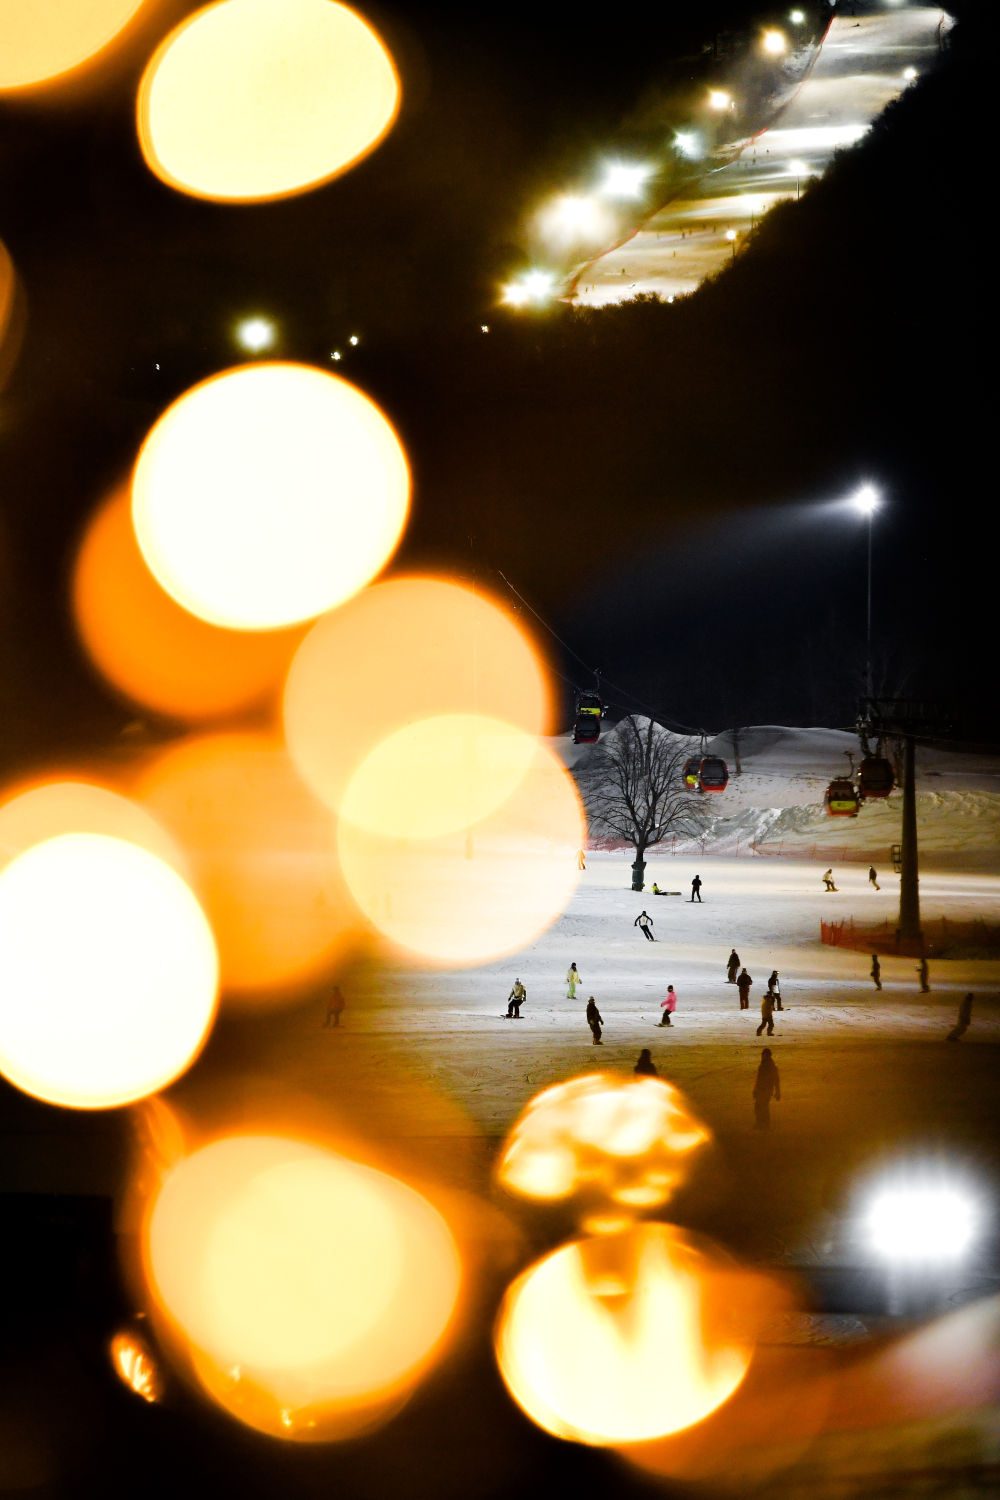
point(868, 634)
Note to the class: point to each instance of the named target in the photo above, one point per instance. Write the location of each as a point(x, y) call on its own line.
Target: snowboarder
point(572, 980)
point(658, 892)
point(773, 986)
point(581, 860)
point(767, 1085)
point(767, 1013)
point(732, 966)
point(925, 988)
point(743, 984)
point(876, 972)
point(334, 1007)
point(668, 1006)
point(515, 1000)
point(828, 880)
point(873, 878)
point(696, 888)
point(964, 1017)
point(646, 1066)
point(594, 1021)
point(645, 922)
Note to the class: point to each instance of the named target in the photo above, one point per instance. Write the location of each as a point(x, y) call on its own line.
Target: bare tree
point(633, 788)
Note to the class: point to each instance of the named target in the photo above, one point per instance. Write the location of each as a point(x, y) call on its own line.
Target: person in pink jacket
point(668, 1006)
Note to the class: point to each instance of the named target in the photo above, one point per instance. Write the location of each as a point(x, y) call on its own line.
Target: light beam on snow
point(268, 494)
point(108, 972)
point(151, 649)
point(309, 1292)
point(398, 652)
point(252, 99)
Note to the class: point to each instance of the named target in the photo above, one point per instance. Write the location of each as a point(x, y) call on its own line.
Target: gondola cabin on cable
point(590, 703)
point(690, 772)
point(713, 774)
point(841, 800)
point(587, 729)
point(875, 778)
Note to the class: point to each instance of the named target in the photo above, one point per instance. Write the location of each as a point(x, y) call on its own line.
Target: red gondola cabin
point(875, 778)
point(587, 729)
point(841, 800)
point(713, 774)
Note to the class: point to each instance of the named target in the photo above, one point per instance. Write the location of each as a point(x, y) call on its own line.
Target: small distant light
point(156, 367)
point(335, 354)
point(484, 328)
point(730, 234)
point(800, 168)
point(797, 17)
point(866, 499)
point(353, 340)
point(719, 99)
point(255, 334)
point(688, 143)
point(774, 42)
point(624, 180)
point(671, 297)
point(909, 74)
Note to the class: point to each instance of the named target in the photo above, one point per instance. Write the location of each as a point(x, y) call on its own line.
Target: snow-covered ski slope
point(776, 805)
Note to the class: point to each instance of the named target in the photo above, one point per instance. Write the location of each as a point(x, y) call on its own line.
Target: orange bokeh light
point(150, 648)
point(108, 972)
point(476, 891)
point(262, 857)
point(45, 38)
point(401, 651)
point(248, 99)
point(30, 814)
point(312, 1290)
point(623, 1339)
point(268, 494)
point(11, 315)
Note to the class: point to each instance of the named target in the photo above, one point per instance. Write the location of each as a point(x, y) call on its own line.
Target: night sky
point(657, 481)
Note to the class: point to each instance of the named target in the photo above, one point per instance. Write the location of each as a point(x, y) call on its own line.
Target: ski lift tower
point(906, 719)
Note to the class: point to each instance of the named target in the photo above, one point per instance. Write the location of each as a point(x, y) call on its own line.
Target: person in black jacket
point(645, 924)
point(646, 1066)
point(594, 1021)
point(767, 1085)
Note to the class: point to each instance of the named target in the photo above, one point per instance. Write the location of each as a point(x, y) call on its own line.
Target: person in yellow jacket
point(572, 980)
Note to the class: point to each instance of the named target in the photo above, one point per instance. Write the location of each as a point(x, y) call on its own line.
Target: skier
point(732, 966)
point(646, 1066)
point(572, 980)
point(873, 878)
point(767, 1014)
point(668, 1006)
point(772, 985)
point(334, 1007)
point(515, 1000)
point(964, 1017)
point(594, 1021)
point(925, 988)
point(876, 972)
point(767, 1084)
point(828, 880)
point(645, 922)
point(696, 888)
point(743, 984)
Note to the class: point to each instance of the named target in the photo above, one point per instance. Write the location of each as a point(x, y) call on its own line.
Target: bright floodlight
point(800, 168)
point(921, 1223)
point(719, 99)
point(624, 180)
point(688, 143)
point(867, 499)
point(255, 334)
point(797, 17)
point(909, 74)
point(730, 234)
point(774, 42)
